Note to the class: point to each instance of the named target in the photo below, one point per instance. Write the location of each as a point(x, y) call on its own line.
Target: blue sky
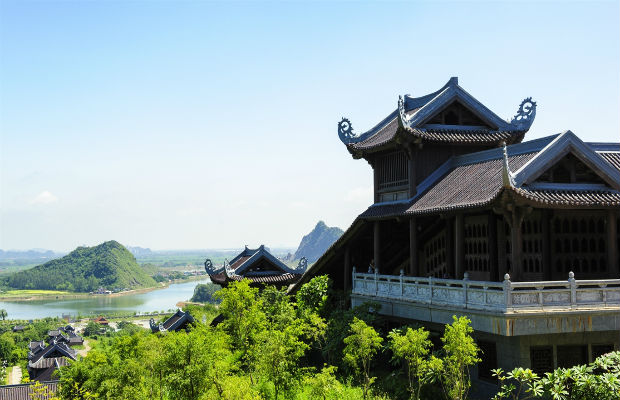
point(177, 125)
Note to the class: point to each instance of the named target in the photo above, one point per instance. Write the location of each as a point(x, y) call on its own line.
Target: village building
point(101, 320)
point(178, 321)
point(257, 265)
point(468, 219)
point(65, 334)
point(24, 391)
point(44, 360)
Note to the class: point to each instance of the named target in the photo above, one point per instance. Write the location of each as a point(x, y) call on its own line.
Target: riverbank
point(35, 295)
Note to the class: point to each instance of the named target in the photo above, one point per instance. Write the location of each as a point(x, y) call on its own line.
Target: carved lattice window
point(435, 256)
point(541, 359)
point(476, 244)
point(531, 233)
point(392, 170)
point(579, 244)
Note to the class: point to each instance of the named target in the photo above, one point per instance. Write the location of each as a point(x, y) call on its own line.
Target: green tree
point(203, 293)
point(324, 385)
point(413, 346)
point(244, 318)
point(461, 352)
point(360, 347)
point(599, 380)
point(193, 363)
point(313, 296)
point(3, 314)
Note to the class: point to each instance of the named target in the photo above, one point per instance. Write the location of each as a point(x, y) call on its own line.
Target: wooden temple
point(257, 265)
point(469, 219)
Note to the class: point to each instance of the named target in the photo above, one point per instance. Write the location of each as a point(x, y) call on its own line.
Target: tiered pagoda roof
point(257, 265)
point(476, 179)
point(420, 119)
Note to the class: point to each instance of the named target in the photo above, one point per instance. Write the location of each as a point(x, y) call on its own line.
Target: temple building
point(44, 360)
point(178, 321)
point(257, 265)
point(469, 219)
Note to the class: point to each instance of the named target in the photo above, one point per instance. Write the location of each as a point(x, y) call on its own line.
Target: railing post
point(401, 283)
point(430, 286)
point(507, 291)
point(573, 289)
point(353, 279)
point(465, 286)
point(376, 283)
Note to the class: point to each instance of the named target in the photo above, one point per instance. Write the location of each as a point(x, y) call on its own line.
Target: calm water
point(156, 300)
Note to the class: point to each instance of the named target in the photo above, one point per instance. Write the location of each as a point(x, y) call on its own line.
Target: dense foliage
point(272, 346)
point(203, 293)
point(85, 269)
point(14, 345)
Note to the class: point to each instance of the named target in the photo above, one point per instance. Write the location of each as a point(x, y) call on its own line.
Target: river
point(155, 300)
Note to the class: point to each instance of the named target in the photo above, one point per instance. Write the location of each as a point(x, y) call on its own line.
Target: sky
point(193, 125)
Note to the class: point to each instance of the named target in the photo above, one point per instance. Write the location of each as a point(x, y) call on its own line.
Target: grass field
point(33, 292)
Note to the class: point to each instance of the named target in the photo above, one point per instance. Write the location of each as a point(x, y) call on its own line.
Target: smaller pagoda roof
point(412, 116)
point(246, 266)
point(176, 322)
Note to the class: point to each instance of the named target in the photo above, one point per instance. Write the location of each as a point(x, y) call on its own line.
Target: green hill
point(85, 269)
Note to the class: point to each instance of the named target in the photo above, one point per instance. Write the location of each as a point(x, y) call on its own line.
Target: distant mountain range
point(27, 254)
point(314, 244)
point(109, 265)
point(139, 251)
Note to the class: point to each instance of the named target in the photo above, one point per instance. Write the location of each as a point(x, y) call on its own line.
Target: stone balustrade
point(500, 297)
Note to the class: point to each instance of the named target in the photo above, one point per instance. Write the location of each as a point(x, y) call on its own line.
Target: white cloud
point(359, 194)
point(44, 197)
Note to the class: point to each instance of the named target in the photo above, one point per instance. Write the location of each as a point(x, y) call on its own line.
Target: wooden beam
point(546, 245)
point(377, 246)
point(449, 245)
point(414, 269)
point(516, 241)
point(612, 245)
point(492, 248)
point(459, 243)
point(347, 269)
point(375, 176)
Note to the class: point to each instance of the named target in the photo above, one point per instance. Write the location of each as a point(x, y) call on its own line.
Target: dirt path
point(85, 350)
point(15, 376)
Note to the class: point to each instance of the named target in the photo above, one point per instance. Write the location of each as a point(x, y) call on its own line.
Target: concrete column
point(414, 269)
point(459, 246)
point(612, 245)
point(347, 269)
point(377, 246)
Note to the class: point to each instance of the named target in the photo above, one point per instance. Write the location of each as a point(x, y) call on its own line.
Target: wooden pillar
point(492, 248)
point(347, 269)
point(375, 178)
point(545, 222)
point(449, 245)
point(501, 248)
point(377, 246)
point(411, 171)
point(459, 244)
point(612, 245)
point(516, 241)
point(414, 269)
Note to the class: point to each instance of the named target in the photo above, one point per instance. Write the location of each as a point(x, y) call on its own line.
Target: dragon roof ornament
point(525, 115)
point(508, 179)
